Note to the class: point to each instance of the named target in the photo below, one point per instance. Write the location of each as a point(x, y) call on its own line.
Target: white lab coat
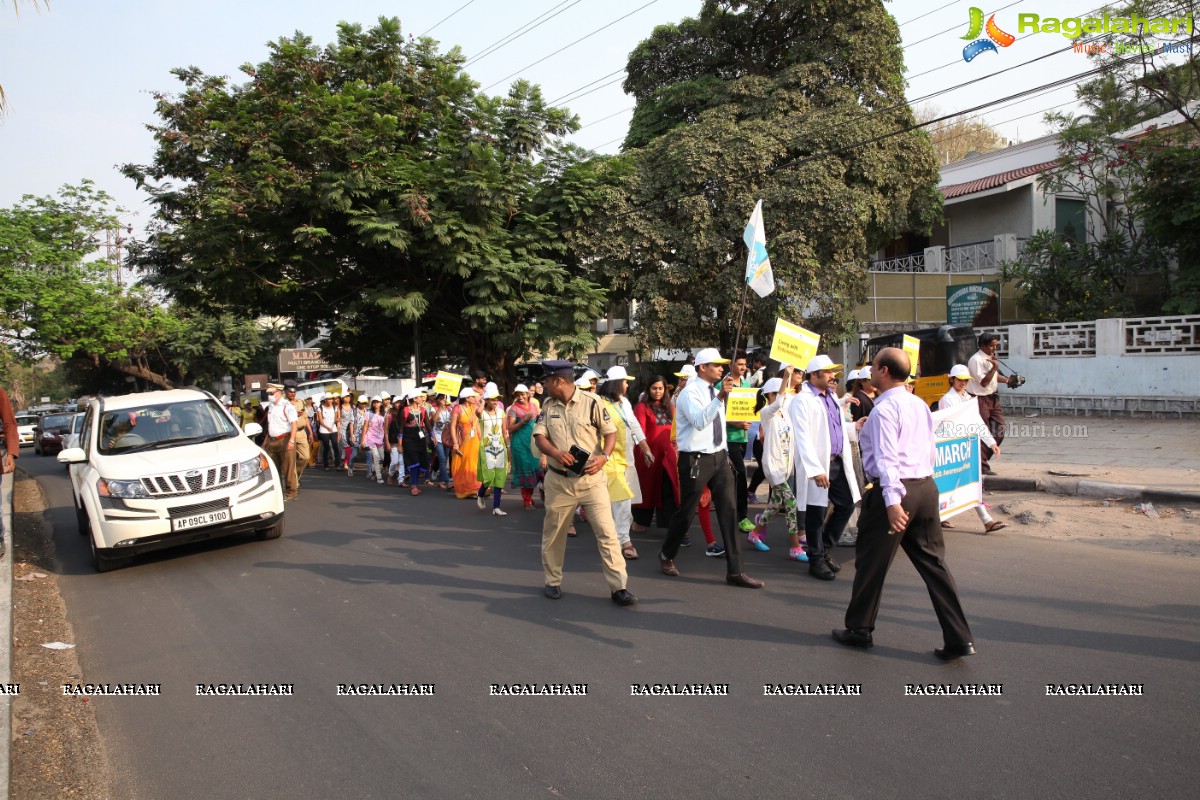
point(814, 450)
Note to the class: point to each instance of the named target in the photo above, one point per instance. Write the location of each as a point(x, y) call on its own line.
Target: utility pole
point(114, 249)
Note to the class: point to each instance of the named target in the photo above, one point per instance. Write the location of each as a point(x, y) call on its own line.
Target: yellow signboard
point(794, 345)
point(448, 383)
point(912, 346)
point(739, 406)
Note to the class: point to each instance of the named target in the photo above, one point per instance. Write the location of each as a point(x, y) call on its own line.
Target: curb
point(1097, 489)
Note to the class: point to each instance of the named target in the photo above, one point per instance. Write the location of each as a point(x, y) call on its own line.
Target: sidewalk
point(1135, 459)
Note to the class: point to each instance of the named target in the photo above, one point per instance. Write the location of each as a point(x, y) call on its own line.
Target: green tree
point(799, 104)
point(57, 299)
point(367, 189)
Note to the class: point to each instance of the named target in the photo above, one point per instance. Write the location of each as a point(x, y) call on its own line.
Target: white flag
point(758, 263)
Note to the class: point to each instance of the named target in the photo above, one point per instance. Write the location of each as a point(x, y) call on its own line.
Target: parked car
point(160, 469)
point(50, 433)
point(27, 428)
point(72, 437)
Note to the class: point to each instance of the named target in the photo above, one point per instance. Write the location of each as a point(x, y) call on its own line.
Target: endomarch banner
point(957, 469)
point(988, 37)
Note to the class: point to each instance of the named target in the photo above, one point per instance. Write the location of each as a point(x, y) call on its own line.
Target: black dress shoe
point(744, 580)
point(832, 563)
point(623, 597)
point(958, 651)
point(667, 566)
point(853, 638)
point(553, 592)
point(821, 570)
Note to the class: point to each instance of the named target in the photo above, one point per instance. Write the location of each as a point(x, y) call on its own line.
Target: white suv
point(160, 469)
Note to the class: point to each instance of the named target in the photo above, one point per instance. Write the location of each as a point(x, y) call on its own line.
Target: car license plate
point(199, 520)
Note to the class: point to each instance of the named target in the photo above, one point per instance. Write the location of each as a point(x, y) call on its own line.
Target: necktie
point(717, 432)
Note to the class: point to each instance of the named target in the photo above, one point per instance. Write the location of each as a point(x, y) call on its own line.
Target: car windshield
point(56, 422)
point(162, 425)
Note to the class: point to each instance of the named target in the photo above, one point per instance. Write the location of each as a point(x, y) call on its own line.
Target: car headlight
point(126, 490)
point(248, 470)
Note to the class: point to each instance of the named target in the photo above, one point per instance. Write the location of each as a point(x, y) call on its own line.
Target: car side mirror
point(253, 429)
point(72, 455)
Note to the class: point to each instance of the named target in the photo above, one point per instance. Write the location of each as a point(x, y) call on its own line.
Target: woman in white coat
point(814, 413)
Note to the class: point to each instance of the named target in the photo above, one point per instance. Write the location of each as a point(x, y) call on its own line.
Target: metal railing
point(913, 262)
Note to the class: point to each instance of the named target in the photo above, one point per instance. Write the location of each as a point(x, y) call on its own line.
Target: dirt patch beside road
point(1174, 531)
point(56, 749)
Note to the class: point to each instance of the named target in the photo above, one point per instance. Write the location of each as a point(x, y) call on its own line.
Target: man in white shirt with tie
point(704, 462)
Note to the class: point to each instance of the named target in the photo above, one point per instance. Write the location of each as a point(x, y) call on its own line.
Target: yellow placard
point(739, 406)
point(912, 346)
point(448, 383)
point(794, 345)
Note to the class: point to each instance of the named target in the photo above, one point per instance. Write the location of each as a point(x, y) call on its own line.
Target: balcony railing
point(972, 257)
point(913, 262)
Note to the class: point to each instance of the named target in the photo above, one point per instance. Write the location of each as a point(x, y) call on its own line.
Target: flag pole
point(741, 311)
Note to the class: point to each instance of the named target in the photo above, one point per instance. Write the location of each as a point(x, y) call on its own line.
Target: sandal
point(994, 525)
point(571, 531)
point(947, 524)
point(414, 491)
point(629, 552)
point(638, 528)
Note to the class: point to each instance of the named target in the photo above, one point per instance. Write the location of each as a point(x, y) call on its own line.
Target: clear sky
point(79, 75)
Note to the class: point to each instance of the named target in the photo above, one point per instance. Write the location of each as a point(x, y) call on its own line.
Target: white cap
point(617, 373)
point(520, 388)
point(415, 393)
point(362, 398)
point(853, 375)
point(584, 382)
point(772, 386)
point(384, 396)
point(819, 363)
point(865, 372)
point(710, 355)
point(960, 371)
point(491, 391)
point(465, 393)
point(686, 371)
point(376, 397)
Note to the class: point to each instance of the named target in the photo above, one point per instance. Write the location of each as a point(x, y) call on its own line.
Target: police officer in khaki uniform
point(303, 439)
point(572, 416)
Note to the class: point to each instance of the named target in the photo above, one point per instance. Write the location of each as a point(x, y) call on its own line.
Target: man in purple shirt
point(900, 510)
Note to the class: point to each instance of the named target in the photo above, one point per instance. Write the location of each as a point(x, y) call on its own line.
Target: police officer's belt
point(562, 472)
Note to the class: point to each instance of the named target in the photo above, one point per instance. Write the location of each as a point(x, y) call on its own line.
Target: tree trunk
point(160, 381)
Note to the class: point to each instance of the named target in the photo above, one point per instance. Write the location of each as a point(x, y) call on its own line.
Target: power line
point(572, 44)
point(508, 39)
point(451, 14)
point(959, 25)
point(556, 100)
point(610, 116)
point(927, 13)
point(598, 88)
point(800, 160)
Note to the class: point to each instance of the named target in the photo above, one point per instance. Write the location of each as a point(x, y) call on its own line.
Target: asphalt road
point(369, 585)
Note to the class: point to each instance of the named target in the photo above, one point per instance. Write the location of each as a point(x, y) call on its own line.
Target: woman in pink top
point(372, 440)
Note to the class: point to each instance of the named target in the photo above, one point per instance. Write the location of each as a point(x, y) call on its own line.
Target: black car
point(51, 433)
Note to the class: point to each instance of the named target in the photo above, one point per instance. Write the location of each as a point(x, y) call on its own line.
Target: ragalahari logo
point(995, 36)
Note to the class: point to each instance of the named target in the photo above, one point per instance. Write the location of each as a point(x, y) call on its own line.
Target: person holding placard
point(704, 462)
point(824, 465)
point(778, 464)
point(736, 433)
point(957, 395)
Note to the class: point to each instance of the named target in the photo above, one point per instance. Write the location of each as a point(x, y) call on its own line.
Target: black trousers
point(714, 471)
point(737, 457)
point(329, 454)
point(758, 476)
point(923, 544)
point(664, 510)
point(822, 535)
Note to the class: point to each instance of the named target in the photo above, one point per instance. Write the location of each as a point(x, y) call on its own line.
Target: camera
point(1015, 381)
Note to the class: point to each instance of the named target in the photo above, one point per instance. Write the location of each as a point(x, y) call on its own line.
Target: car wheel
point(273, 532)
point(101, 562)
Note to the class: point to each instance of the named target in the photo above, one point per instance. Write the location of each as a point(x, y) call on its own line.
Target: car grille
point(192, 481)
point(198, 508)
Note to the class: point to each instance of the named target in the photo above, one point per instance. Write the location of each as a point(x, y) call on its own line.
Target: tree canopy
point(367, 186)
point(58, 300)
point(800, 104)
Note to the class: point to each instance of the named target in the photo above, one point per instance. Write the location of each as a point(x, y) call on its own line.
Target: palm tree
point(17, 9)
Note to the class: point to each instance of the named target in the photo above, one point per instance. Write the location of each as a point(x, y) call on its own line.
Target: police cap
point(563, 369)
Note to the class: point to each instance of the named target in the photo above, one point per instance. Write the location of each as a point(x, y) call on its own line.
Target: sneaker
point(499, 512)
point(350, 471)
point(746, 525)
point(379, 481)
point(479, 503)
point(716, 550)
point(687, 542)
point(755, 539)
point(797, 554)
